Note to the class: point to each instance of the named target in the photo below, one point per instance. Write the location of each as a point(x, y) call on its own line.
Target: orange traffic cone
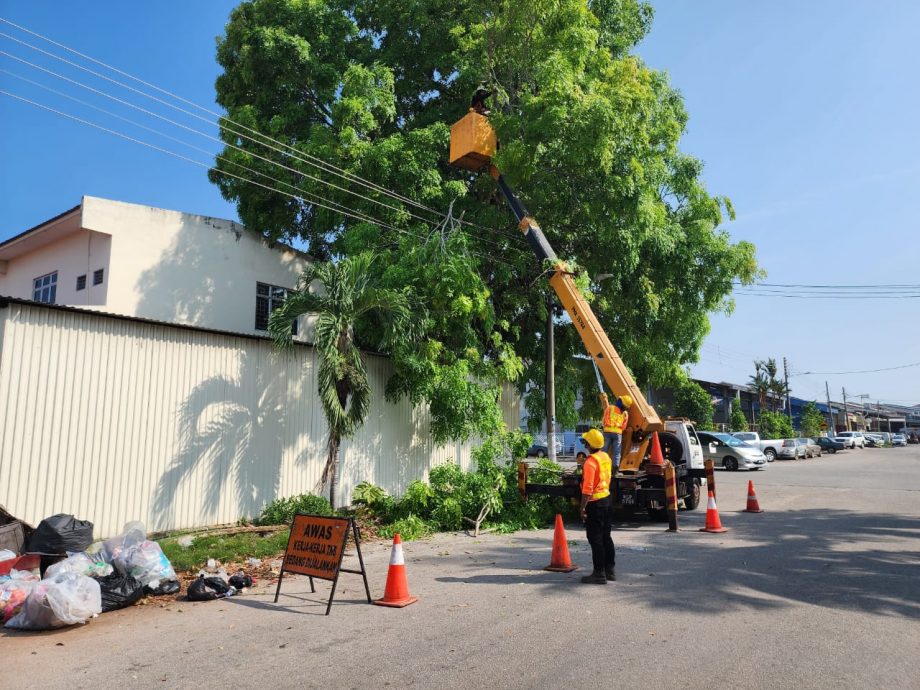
point(560, 561)
point(396, 593)
point(713, 523)
point(656, 458)
point(752, 505)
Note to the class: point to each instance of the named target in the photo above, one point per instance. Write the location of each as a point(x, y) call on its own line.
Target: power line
point(209, 137)
point(855, 287)
point(863, 371)
point(323, 203)
point(303, 156)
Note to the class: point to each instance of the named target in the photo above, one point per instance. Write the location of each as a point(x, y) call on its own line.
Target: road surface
point(820, 591)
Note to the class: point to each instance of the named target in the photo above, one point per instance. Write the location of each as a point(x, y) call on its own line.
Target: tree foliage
point(692, 401)
point(589, 138)
point(775, 425)
point(737, 421)
point(812, 419)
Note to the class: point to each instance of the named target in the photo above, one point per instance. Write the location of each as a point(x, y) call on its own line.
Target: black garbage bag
point(241, 580)
point(119, 591)
point(208, 589)
point(61, 533)
point(165, 587)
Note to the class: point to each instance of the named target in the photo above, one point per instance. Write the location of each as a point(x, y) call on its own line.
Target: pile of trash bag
point(58, 601)
point(131, 553)
point(92, 579)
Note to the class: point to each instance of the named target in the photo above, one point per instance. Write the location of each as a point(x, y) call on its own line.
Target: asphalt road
point(820, 591)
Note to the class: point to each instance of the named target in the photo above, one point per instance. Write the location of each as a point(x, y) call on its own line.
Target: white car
point(851, 439)
point(898, 440)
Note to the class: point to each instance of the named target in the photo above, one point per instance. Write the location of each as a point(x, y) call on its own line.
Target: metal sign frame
point(349, 526)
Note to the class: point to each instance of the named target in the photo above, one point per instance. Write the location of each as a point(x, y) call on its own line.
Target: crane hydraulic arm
point(472, 145)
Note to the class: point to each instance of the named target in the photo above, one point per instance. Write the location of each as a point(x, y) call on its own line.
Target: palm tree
point(774, 385)
point(759, 383)
point(345, 297)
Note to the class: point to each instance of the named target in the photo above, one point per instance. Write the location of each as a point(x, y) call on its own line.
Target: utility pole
point(788, 397)
point(846, 412)
point(878, 414)
point(550, 383)
point(831, 427)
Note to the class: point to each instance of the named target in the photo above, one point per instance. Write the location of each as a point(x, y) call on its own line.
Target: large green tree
point(589, 138)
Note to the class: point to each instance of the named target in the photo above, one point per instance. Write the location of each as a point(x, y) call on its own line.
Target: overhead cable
point(304, 198)
point(317, 162)
point(206, 136)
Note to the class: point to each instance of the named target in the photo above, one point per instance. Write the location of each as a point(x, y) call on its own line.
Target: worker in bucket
point(595, 508)
point(615, 419)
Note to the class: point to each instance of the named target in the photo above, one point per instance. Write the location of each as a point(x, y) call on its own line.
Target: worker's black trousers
point(597, 526)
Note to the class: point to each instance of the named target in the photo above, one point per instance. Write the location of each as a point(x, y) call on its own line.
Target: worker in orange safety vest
point(595, 509)
point(616, 417)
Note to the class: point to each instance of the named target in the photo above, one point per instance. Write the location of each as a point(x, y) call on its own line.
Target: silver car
point(812, 449)
point(729, 452)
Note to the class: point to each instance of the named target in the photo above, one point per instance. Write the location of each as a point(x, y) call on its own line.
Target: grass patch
point(223, 547)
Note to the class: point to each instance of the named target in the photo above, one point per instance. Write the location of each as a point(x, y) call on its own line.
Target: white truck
point(772, 447)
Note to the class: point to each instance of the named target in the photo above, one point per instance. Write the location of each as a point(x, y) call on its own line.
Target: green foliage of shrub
point(409, 528)
point(775, 425)
point(281, 511)
point(737, 421)
point(453, 494)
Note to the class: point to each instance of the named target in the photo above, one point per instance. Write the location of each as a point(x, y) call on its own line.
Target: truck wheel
point(730, 464)
point(771, 454)
point(541, 454)
point(692, 499)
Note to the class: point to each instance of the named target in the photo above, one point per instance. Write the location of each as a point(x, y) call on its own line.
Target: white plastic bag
point(65, 599)
point(80, 563)
point(132, 534)
point(147, 563)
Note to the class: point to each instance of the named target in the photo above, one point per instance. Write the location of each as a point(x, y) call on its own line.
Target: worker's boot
point(610, 575)
point(594, 579)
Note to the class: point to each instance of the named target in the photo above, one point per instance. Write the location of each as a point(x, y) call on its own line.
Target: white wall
point(186, 268)
point(115, 420)
point(161, 265)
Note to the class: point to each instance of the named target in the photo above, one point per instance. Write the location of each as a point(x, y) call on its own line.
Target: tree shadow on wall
point(234, 427)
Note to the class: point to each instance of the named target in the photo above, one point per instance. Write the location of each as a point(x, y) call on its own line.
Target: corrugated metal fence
point(114, 420)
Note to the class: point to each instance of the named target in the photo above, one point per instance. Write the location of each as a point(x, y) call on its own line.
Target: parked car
point(874, 441)
point(812, 449)
point(829, 445)
point(852, 439)
point(898, 440)
point(729, 452)
point(769, 447)
point(540, 449)
point(791, 448)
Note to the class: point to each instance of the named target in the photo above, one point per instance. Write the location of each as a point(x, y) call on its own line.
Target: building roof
point(70, 221)
point(51, 230)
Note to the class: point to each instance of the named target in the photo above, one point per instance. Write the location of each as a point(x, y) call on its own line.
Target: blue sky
point(805, 115)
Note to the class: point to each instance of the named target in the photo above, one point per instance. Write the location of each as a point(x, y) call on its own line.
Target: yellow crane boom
point(472, 145)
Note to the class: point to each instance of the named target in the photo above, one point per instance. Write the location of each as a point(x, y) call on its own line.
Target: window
point(81, 282)
point(269, 298)
point(97, 276)
point(44, 288)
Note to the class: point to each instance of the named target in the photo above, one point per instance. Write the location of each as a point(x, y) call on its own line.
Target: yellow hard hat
point(593, 438)
point(627, 401)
